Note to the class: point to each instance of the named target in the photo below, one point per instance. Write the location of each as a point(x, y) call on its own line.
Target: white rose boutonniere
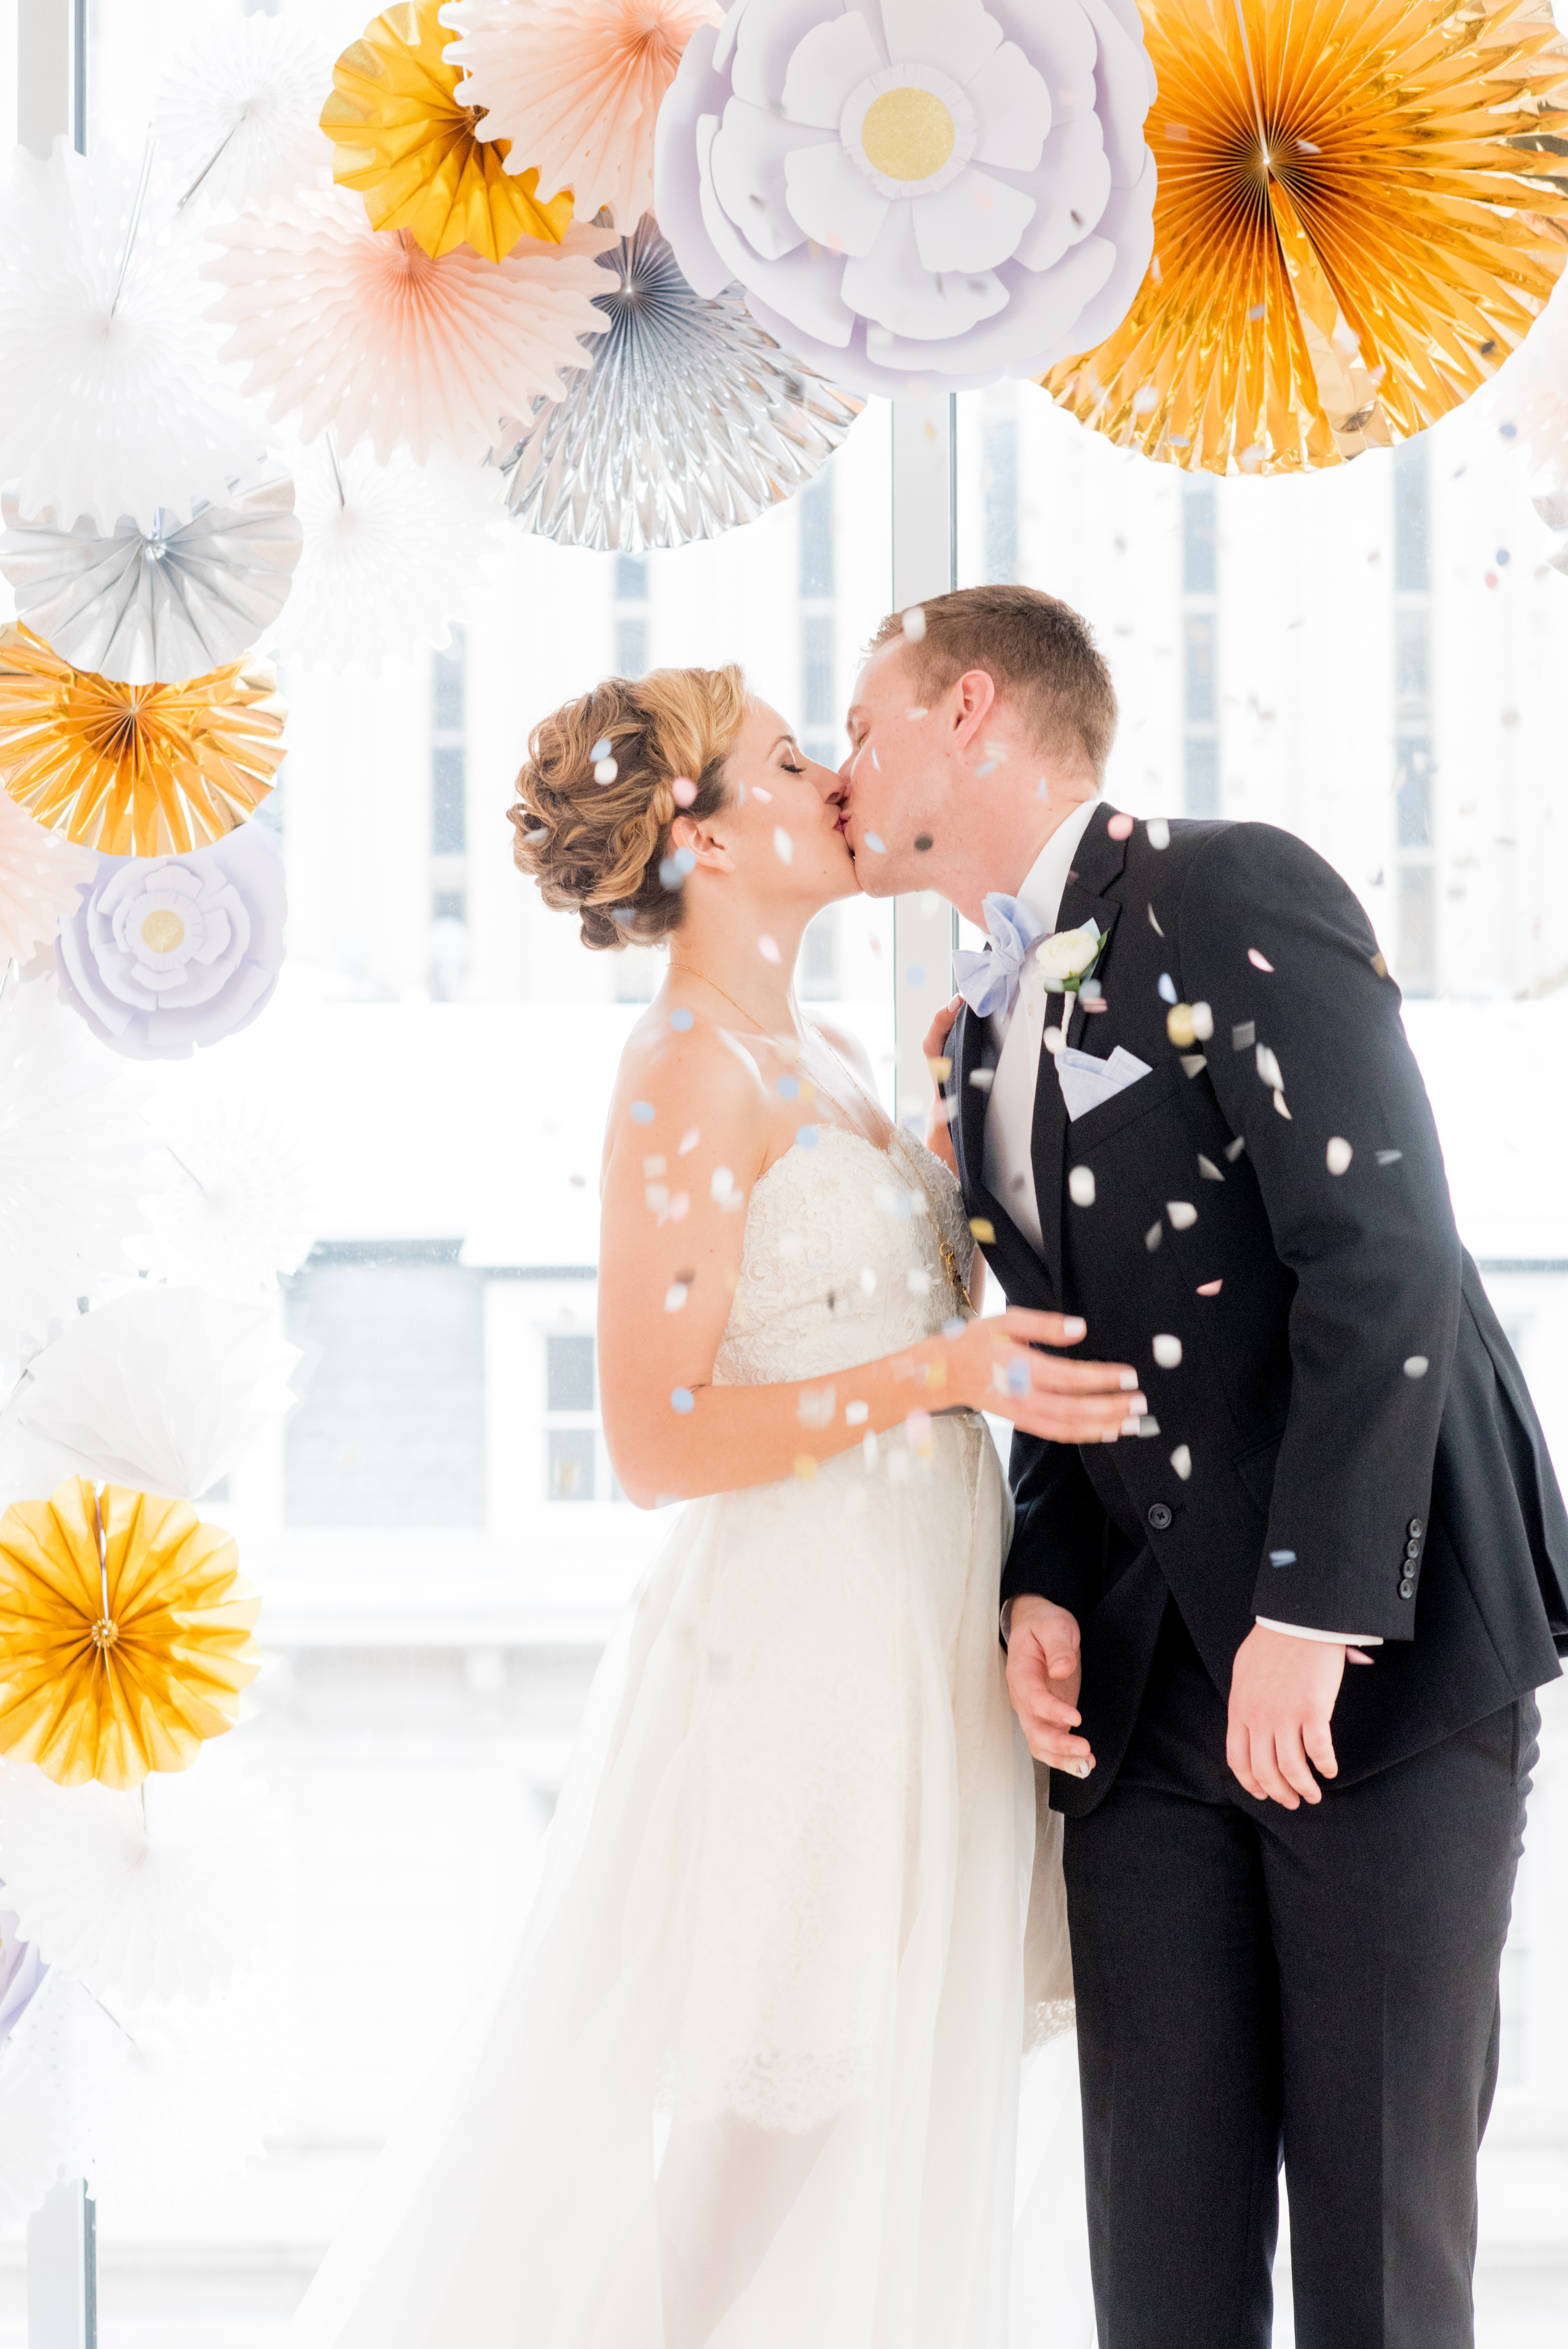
point(1066, 959)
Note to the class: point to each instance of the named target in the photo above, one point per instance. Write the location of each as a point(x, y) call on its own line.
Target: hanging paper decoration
point(124, 1634)
point(160, 601)
point(236, 115)
point(111, 400)
point(368, 335)
point(159, 1894)
point(689, 421)
point(161, 1388)
point(239, 1207)
point(393, 554)
point(575, 86)
point(22, 1970)
point(167, 953)
point(906, 193)
point(135, 770)
point(1360, 213)
point(75, 1171)
point(41, 877)
point(1531, 395)
point(415, 151)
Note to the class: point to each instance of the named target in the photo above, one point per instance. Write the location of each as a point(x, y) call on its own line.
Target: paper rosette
point(236, 115)
point(917, 189)
point(575, 86)
point(1361, 210)
point(108, 407)
point(240, 1206)
point(415, 151)
point(166, 953)
point(393, 554)
point(22, 1970)
point(75, 1176)
point(135, 770)
point(364, 332)
point(158, 1894)
point(41, 877)
point(689, 421)
point(159, 602)
point(124, 1634)
point(1531, 397)
point(161, 1388)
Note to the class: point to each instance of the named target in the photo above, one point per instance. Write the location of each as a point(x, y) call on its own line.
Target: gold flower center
point(163, 931)
point(104, 1634)
point(907, 134)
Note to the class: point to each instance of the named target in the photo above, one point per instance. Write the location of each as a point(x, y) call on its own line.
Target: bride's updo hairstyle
point(596, 846)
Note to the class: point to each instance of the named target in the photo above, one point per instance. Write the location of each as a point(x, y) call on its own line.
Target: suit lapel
point(1097, 866)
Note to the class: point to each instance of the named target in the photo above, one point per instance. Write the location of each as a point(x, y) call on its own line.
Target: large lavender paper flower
point(915, 188)
point(169, 952)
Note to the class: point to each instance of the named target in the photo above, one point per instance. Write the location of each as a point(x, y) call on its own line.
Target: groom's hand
point(1044, 1675)
point(939, 1126)
point(1283, 1693)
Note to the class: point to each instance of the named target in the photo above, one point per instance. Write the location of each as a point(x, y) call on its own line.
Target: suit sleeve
point(1373, 1247)
point(1058, 1528)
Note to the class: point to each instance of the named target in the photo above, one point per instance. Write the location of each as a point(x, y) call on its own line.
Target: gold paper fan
point(135, 770)
point(1360, 213)
point(124, 1634)
point(414, 152)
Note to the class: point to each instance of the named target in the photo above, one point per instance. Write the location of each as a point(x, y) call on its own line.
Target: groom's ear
point(971, 700)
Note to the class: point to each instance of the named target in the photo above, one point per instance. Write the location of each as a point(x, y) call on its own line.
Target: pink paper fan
point(575, 85)
point(360, 330)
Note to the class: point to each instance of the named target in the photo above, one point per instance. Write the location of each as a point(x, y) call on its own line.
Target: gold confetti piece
point(1379, 966)
point(805, 1467)
point(941, 1067)
point(983, 1230)
point(1178, 1025)
point(1340, 1154)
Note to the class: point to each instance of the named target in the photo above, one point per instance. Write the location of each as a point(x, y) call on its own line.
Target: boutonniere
point(1067, 958)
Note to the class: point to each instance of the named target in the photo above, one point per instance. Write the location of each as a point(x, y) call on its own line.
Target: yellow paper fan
point(124, 1634)
point(135, 770)
point(1361, 212)
point(414, 152)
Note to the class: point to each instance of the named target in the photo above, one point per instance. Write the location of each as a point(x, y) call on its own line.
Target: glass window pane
point(1411, 491)
point(1200, 634)
point(449, 799)
point(569, 1373)
point(630, 645)
point(816, 505)
point(1202, 775)
point(1199, 542)
point(571, 1456)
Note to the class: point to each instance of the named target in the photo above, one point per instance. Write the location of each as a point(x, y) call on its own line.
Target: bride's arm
point(670, 1256)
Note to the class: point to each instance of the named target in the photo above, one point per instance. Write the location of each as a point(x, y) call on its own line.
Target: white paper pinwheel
point(163, 1388)
point(236, 117)
point(359, 331)
point(155, 603)
point(915, 189)
point(22, 1969)
point(41, 875)
point(165, 953)
point(139, 1901)
point(76, 1175)
point(393, 554)
point(239, 1205)
point(112, 398)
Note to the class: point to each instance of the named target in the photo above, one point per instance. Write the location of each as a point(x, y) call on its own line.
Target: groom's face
point(895, 785)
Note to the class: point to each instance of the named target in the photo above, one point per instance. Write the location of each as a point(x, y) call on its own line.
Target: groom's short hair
point(1041, 653)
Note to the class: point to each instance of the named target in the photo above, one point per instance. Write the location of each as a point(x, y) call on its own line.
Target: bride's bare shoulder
point(680, 1075)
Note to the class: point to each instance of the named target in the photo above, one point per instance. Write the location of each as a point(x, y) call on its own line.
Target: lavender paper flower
point(165, 953)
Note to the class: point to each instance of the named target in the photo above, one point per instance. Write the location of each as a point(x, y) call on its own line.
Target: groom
point(1315, 1595)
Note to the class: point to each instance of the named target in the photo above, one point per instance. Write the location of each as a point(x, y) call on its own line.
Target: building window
point(999, 484)
point(816, 509)
point(570, 1426)
point(1415, 766)
point(631, 615)
point(448, 818)
point(1201, 794)
point(1412, 508)
point(818, 704)
point(820, 958)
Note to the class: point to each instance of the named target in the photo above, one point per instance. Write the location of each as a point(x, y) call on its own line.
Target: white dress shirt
point(1018, 1035)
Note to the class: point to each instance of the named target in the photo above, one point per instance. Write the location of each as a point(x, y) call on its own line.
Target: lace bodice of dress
point(841, 1261)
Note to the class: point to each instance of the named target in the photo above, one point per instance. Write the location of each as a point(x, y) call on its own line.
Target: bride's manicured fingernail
point(1128, 1379)
point(1072, 1326)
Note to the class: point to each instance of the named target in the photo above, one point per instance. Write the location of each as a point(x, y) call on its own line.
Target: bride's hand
point(995, 1365)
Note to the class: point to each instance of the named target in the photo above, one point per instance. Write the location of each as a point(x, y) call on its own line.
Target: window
point(1411, 517)
point(631, 617)
point(570, 1436)
point(1000, 486)
point(820, 718)
point(1417, 942)
point(1200, 641)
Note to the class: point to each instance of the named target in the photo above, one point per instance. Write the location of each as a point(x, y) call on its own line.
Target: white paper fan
point(112, 398)
point(22, 1972)
point(393, 554)
point(173, 1906)
point(75, 1174)
point(240, 1201)
point(163, 1388)
point(236, 117)
point(42, 876)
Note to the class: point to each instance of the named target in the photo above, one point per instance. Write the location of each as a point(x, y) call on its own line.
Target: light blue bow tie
point(988, 982)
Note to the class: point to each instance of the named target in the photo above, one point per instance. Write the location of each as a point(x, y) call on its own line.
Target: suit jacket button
point(1406, 1588)
point(1160, 1515)
point(1415, 1529)
point(1413, 1547)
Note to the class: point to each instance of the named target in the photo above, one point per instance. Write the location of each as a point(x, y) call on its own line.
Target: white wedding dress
point(785, 1967)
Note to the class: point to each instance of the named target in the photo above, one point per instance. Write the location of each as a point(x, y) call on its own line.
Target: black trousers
point(1319, 1985)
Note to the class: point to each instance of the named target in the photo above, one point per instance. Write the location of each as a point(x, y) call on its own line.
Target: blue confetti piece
point(642, 1112)
point(1167, 988)
point(680, 1020)
point(1018, 1377)
point(683, 1400)
point(806, 1135)
point(1281, 1558)
point(877, 845)
point(1503, 555)
point(915, 975)
point(789, 1088)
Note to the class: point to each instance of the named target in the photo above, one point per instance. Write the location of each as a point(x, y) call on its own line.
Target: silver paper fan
point(156, 605)
point(689, 421)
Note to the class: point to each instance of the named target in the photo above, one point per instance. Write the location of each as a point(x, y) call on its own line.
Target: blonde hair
point(597, 847)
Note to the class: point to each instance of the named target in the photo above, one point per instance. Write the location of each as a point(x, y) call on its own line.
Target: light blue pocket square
point(1085, 1081)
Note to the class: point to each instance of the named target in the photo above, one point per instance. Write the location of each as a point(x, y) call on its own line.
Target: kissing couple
point(790, 2049)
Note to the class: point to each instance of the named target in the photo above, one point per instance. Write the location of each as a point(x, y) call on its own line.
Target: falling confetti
point(1119, 827)
point(1389, 1157)
point(606, 770)
point(914, 624)
point(1258, 961)
point(1158, 831)
point(1080, 1186)
point(642, 1112)
point(783, 845)
point(1281, 1558)
point(674, 1296)
point(877, 845)
point(1183, 1214)
point(1166, 990)
point(690, 1140)
point(1167, 1352)
point(680, 1020)
point(983, 1230)
point(683, 1400)
point(1208, 1169)
point(808, 1136)
point(1415, 1366)
point(1242, 1035)
point(1210, 1287)
point(758, 793)
point(1268, 1069)
point(1279, 1102)
point(602, 748)
point(1154, 923)
point(856, 1413)
point(722, 1186)
point(683, 790)
point(1152, 1237)
point(916, 713)
point(1182, 1461)
point(982, 1079)
point(768, 948)
point(1340, 1154)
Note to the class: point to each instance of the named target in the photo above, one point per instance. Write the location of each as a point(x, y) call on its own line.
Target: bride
point(748, 2076)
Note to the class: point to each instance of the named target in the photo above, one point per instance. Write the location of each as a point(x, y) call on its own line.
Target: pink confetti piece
point(758, 793)
point(689, 1140)
point(684, 790)
point(1119, 827)
point(768, 948)
point(1258, 961)
point(1210, 1287)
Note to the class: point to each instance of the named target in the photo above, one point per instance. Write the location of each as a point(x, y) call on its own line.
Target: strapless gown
point(800, 1929)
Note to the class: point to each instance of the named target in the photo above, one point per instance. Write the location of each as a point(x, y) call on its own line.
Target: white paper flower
point(108, 407)
point(163, 1388)
point(1068, 954)
point(237, 116)
point(173, 1904)
point(162, 601)
point(393, 555)
point(76, 1177)
point(915, 188)
point(22, 1970)
point(239, 1205)
point(165, 953)
point(41, 875)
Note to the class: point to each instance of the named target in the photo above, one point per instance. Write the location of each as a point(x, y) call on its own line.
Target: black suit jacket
point(1306, 1466)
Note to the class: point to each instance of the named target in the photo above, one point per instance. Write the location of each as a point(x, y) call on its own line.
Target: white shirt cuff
point(1339, 1639)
